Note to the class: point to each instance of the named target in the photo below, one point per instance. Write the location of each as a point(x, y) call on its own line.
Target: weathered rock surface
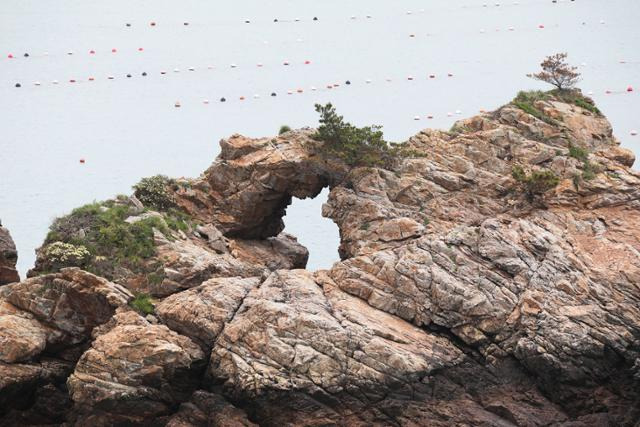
point(8, 258)
point(134, 371)
point(45, 323)
point(461, 298)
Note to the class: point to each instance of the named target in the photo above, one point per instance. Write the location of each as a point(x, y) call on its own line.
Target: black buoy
point(26, 55)
point(127, 24)
point(18, 85)
point(223, 99)
point(144, 73)
point(185, 24)
point(128, 75)
point(347, 82)
point(275, 20)
point(247, 22)
point(315, 18)
point(273, 94)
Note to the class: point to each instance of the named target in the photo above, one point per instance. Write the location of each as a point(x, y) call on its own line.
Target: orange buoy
point(153, 24)
point(91, 79)
point(82, 161)
point(299, 90)
point(72, 80)
point(242, 98)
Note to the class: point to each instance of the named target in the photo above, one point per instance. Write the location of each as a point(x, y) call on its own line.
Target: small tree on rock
point(557, 72)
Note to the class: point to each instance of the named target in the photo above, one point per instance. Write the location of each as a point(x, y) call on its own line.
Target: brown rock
point(8, 258)
point(134, 371)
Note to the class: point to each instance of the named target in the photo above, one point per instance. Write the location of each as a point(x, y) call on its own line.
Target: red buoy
point(630, 89)
point(91, 79)
point(153, 24)
point(82, 161)
point(541, 26)
point(307, 62)
point(114, 50)
point(140, 49)
point(242, 98)
point(10, 56)
point(72, 80)
point(299, 90)
point(92, 52)
point(432, 76)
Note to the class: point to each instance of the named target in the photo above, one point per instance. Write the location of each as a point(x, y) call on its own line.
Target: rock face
point(468, 293)
point(8, 258)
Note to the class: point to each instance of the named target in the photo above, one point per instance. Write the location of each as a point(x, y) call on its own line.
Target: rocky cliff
point(8, 258)
point(490, 278)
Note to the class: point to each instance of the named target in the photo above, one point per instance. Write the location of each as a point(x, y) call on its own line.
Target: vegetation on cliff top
point(356, 146)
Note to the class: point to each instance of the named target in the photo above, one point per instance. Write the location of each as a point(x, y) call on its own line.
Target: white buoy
point(590, 93)
point(368, 81)
point(458, 112)
point(55, 82)
point(313, 88)
point(176, 70)
point(256, 96)
point(416, 118)
point(205, 101)
point(191, 69)
point(449, 114)
point(634, 132)
point(210, 67)
point(177, 104)
point(37, 83)
point(289, 92)
point(233, 65)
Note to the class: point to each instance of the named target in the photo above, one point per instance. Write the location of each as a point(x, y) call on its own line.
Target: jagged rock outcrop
point(133, 372)
point(490, 278)
point(45, 323)
point(8, 258)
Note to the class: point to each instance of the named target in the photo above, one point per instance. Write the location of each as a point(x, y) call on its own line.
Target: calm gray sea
point(127, 128)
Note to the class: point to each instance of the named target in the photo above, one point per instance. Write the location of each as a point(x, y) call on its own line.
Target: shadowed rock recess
point(491, 279)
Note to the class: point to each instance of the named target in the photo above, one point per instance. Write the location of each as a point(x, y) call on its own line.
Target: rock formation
point(8, 258)
point(489, 278)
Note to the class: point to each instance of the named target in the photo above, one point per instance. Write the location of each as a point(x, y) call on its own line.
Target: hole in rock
point(318, 234)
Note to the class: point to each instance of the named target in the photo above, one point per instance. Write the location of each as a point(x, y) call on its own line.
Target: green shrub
point(578, 153)
point(589, 170)
point(355, 146)
point(576, 97)
point(102, 230)
point(536, 183)
point(153, 192)
point(526, 102)
point(143, 304)
point(284, 129)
